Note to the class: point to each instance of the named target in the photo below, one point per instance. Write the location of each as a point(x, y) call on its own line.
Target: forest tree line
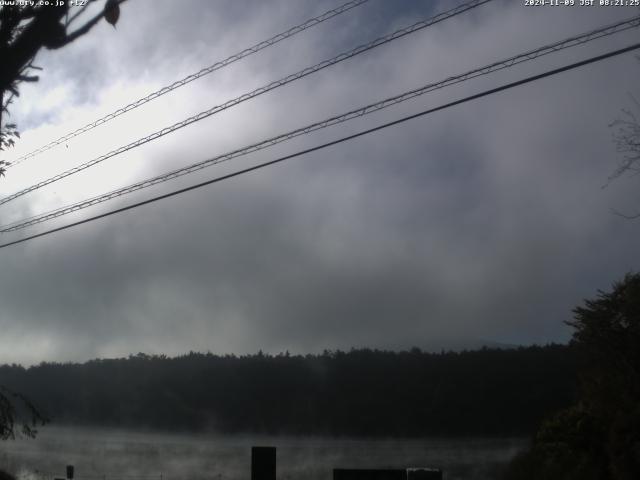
point(361, 392)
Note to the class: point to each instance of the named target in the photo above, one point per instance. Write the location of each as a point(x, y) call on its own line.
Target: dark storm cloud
point(486, 221)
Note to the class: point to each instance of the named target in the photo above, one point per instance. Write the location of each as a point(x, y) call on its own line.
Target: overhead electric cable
point(259, 91)
point(335, 142)
point(194, 76)
point(496, 66)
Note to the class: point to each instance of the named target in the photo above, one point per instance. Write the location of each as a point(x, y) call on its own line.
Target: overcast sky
point(486, 222)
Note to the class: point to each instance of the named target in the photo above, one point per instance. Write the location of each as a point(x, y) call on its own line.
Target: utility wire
point(259, 91)
point(496, 66)
point(194, 76)
point(336, 142)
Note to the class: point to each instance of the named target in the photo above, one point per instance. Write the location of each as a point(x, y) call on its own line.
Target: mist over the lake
point(112, 454)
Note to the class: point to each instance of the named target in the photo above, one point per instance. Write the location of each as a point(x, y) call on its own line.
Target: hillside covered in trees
point(361, 392)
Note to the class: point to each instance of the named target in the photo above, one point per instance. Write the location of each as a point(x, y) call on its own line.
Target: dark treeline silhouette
point(361, 392)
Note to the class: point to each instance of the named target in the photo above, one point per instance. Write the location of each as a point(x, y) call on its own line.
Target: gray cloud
point(485, 221)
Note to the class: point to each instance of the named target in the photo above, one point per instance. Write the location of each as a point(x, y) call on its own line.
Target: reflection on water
point(125, 455)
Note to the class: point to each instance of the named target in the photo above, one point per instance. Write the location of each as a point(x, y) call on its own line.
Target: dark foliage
point(25, 29)
point(15, 407)
point(362, 392)
point(599, 437)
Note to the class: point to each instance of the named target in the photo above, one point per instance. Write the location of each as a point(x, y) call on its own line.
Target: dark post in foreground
point(387, 474)
point(369, 474)
point(263, 463)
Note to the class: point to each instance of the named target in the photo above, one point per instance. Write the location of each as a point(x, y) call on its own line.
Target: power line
point(247, 96)
point(336, 142)
point(194, 76)
point(496, 66)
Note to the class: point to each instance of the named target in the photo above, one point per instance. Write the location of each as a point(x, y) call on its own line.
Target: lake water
point(126, 455)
